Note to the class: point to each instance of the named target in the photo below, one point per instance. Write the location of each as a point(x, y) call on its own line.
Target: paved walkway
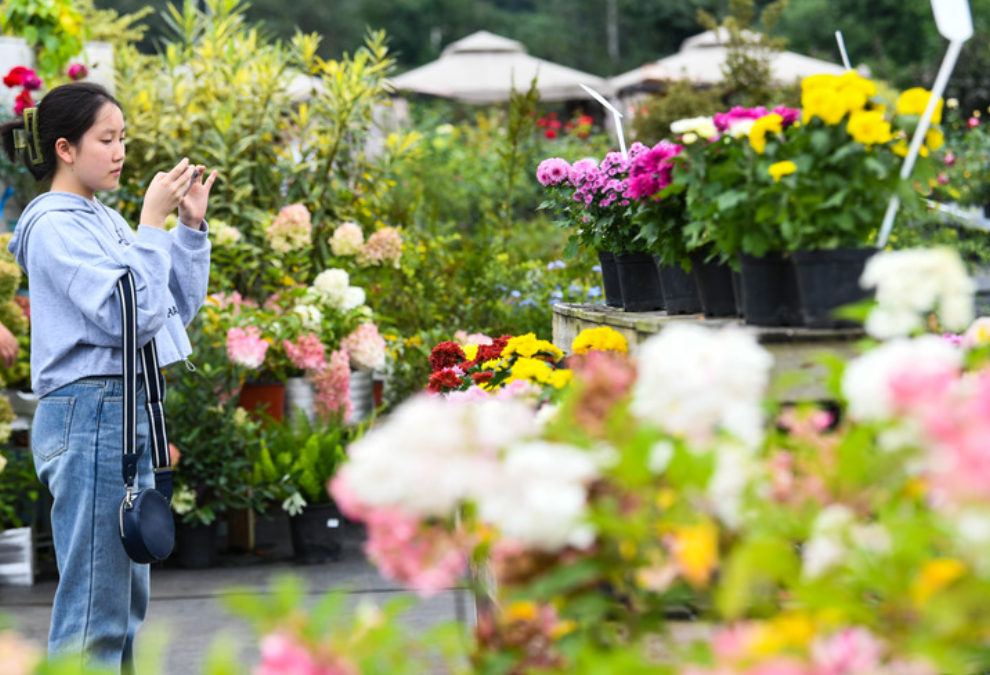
point(186, 605)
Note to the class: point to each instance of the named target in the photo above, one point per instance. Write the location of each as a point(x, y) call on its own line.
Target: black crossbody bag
point(146, 526)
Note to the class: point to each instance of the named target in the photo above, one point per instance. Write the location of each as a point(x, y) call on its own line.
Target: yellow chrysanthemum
point(533, 370)
point(934, 576)
point(561, 378)
point(528, 346)
point(470, 351)
point(822, 81)
point(603, 339)
point(913, 102)
point(696, 551)
point(781, 169)
point(825, 104)
point(758, 132)
point(934, 139)
point(868, 127)
point(901, 149)
point(855, 90)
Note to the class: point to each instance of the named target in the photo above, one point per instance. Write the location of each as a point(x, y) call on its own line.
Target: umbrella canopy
point(483, 68)
point(702, 56)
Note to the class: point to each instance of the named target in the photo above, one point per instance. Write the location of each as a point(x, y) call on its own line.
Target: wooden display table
point(793, 349)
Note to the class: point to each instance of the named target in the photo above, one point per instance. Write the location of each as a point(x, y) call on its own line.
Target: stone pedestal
point(795, 350)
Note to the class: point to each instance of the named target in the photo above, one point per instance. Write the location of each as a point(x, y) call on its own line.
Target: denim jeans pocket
point(50, 428)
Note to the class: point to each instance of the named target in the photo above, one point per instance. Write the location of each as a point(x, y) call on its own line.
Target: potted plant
point(829, 183)
point(19, 490)
point(295, 460)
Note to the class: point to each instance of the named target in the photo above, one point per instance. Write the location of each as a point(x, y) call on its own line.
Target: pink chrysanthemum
point(725, 120)
point(553, 171)
point(651, 171)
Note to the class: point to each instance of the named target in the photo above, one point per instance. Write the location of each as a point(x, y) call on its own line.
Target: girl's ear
point(65, 151)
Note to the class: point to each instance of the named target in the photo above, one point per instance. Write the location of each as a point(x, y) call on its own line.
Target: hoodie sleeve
point(73, 262)
point(190, 275)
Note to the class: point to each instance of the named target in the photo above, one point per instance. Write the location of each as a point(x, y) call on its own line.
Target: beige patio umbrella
point(484, 67)
point(702, 56)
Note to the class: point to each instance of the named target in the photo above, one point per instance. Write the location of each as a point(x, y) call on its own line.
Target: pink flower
point(23, 101)
point(553, 171)
point(283, 655)
point(366, 347)
point(31, 81)
point(383, 247)
point(789, 115)
point(77, 71)
point(582, 170)
point(651, 171)
point(332, 387)
point(463, 338)
point(307, 353)
point(851, 651)
point(973, 122)
point(942, 179)
point(245, 347)
point(292, 229)
point(347, 240)
point(949, 159)
point(725, 120)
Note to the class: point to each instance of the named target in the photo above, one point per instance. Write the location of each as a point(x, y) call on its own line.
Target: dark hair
point(67, 111)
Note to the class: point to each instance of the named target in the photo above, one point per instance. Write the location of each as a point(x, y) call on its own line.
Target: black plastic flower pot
point(315, 534)
point(680, 292)
point(610, 279)
point(195, 545)
point(828, 280)
point(769, 290)
point(639, 282)
point(714, 281)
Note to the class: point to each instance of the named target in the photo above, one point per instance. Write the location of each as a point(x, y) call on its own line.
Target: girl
point(73, 250)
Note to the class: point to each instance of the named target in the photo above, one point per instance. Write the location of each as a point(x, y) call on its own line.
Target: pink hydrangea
point(347, 240)
point(332, 387)
point(553, 171)
point(291, 230)
point(307, 352)
point(234, 300)
point(651, 171)
point(383, 247)
point(366, 347)
point(245, 347)
point(849, 652)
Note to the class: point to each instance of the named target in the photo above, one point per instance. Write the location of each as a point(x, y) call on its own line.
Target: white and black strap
point(154, 384)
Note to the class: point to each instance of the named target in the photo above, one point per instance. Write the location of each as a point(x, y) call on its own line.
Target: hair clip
point(33, 143)
point(20, 139)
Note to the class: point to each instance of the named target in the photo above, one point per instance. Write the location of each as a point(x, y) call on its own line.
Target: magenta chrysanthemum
point(725, 120)
point(651, 170)
point(553, 171)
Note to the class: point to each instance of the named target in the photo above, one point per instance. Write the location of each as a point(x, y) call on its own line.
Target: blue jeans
point(102, 596)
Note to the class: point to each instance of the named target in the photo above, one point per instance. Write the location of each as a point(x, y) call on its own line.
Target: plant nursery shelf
point(794, 349)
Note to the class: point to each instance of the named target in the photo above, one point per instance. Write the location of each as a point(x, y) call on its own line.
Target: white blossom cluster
point(333, 288)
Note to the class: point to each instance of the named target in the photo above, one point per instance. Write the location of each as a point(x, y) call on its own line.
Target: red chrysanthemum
point(16, 76)
point(447, 354)
point(481, 378)
point(444, 380)
point(492, 351)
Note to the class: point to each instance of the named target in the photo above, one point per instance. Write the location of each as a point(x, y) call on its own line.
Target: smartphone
point(195, 177)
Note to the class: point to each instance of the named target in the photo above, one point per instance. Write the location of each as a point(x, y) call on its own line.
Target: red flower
point(77, 71)
point(15, 77)
point(446, 355)
point(550, 133)
point(586, 120)
point(489, 352)
point(481, 378)
point(23, 101)
point(443, 380)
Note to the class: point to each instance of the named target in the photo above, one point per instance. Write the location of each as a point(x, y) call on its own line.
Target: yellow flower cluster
point(539, 372)
point(529, 346)
point(831, 97)
point(602, 339)
point(869, 127)
point(914, 101)
point(781, 169)
point(772, 123)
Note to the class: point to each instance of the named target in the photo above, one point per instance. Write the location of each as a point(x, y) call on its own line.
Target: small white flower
point(702, 126)
point(660, 455)
point(294, 504)
point(312, 317)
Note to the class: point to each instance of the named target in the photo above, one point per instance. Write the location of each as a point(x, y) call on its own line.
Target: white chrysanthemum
point(431, 455)
point(354, 297)
point(702, 126)
point(540, 496)
point(826, 547)
point(735, 467)
point(866, 381)
point(312, 317)
point(331, 285)
point(716, 381)
point(911, 283)
point(739, 128)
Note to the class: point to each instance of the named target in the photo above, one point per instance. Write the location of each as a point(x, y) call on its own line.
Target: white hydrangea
point(694, 381)
point(312, 317)
point(223, 234)
point(430, 455)
point(913, 282)
point(354, 297)
point(331, 286)
point(866, 381)
point(702, 126)
point(347, 240)
point(539, 498)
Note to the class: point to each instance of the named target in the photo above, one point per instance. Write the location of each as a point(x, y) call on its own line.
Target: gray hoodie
point(74, 250)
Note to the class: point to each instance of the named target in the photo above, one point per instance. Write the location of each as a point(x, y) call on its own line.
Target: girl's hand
point(165, 193)
point(192, 208)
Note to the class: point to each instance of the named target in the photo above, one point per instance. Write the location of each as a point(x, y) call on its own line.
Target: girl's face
point(94, 164)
